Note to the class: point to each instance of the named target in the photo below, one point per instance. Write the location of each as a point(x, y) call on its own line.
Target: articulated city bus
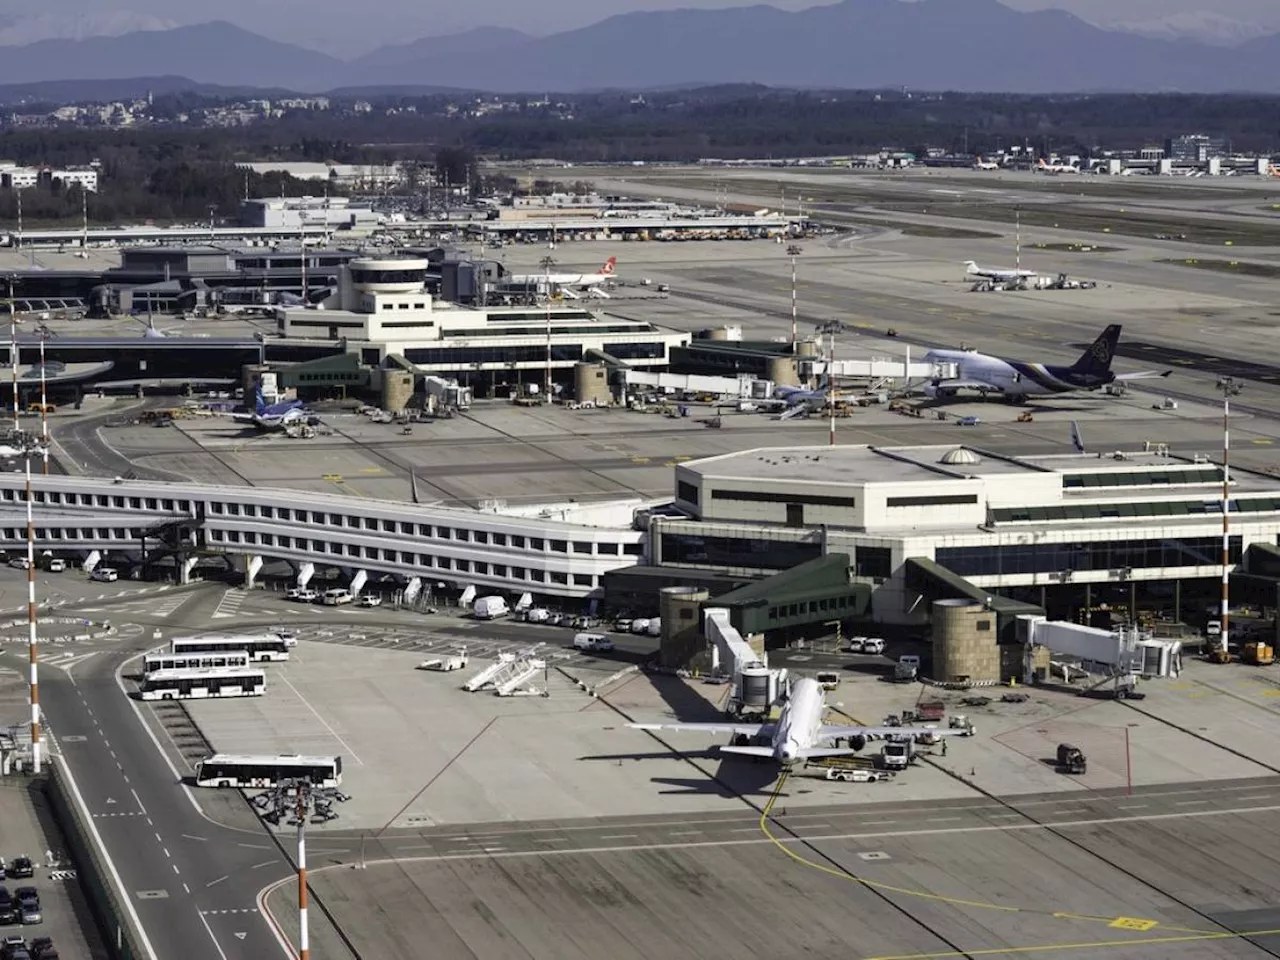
point(260, 646)
point(250, 772)
point(225, 660)
point(196, 683)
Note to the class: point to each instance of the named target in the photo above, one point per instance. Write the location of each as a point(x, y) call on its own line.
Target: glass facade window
point(465, 356)
point(684, 549)
point(361, 277)
point(935, 500)
point(781, 496)
point(1026, 558)
point(874, 562)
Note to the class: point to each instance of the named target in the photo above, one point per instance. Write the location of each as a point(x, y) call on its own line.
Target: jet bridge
point(1121, 657)
point(755, 687)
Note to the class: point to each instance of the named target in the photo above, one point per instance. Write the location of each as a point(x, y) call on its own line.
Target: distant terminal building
point(14, 177)
point(1194, 148)
point(336, 213)
point(381, 315)
point(355, 175)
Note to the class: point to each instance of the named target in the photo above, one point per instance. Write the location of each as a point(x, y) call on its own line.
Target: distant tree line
point(178, 172)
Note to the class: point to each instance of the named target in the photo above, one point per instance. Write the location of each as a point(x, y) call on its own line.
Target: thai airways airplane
point(799, 731)
point(1016, 380)
point(574, 281)
point(277, 416)
point(971, 269)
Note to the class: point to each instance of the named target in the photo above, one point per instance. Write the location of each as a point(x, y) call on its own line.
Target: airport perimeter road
point(192, 882)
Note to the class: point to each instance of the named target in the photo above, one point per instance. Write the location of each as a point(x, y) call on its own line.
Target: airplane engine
point(933, 391)
point(857, 743)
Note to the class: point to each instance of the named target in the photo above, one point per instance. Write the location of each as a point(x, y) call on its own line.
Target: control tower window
point(387, 276)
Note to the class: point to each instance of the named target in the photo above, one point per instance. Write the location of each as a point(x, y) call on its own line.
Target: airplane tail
point(1097, 359)
point(971, 266)
point(609, 266)
point(259, 401)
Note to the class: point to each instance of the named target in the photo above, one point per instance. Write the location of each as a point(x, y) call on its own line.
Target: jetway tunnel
point(755, 687)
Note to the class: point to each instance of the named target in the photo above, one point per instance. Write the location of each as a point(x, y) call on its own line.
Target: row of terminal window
point(355, 551)
point(58, 498)
point(826, 605)
point(425, 530)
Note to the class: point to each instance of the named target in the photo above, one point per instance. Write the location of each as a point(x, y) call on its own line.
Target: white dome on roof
point(960, 455)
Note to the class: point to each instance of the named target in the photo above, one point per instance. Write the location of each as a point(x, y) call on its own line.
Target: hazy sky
point(345, 28)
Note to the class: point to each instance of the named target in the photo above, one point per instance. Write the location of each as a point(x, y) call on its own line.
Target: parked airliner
point(972, 269)
point(799, 732)
point(573, 281)
point(1015, 379)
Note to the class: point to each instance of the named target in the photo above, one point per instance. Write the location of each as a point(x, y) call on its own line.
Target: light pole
point(547, 263)
point(1230, 388)
point(45, 334)
point(793, 252)
point(13, 355)
point(295, 799)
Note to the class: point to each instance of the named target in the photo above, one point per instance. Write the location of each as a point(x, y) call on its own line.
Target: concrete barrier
point(102, 886)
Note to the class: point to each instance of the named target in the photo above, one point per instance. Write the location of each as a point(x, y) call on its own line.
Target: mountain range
point(963, 45)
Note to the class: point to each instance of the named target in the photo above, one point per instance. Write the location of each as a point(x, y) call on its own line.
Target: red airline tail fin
point(609, 266)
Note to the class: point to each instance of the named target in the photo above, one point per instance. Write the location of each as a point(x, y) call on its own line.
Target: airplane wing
point(1144, 375)
point(882, 733)
point(966, 385)
point(747, 729)
point(243, 417)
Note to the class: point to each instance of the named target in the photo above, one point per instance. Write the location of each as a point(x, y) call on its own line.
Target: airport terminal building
point(1060, 533)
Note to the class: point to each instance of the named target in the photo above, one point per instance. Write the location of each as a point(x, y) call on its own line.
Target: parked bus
point(260, 646)
point(163, 660)
point(249, 772)
point(196, 683)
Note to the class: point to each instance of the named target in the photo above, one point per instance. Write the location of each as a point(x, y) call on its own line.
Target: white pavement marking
point(229, 605)
point(822, 838)
point(316, 713)
point(209, 930)
point(159, 749)
point(219, 880)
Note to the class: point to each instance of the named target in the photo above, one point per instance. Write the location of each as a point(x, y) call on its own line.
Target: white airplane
point(799, 731)
point(986, 165)
point(572, 281)
point(798, 401)
point(1056, 167)
point(272, 417)
point(1015, 379)
point(971, 269)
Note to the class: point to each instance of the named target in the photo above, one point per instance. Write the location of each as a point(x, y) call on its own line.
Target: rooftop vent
point(960, 455)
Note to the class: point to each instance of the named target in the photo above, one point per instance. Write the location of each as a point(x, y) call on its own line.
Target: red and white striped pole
point(795, 334)
point(1229, 388)
point(304, 947)
point(33, 649)
point(831, 387)
point(44, 407)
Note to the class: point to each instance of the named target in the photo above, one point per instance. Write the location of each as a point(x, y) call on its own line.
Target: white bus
point(163, 660)
point(260, 646)
point(194, 683)
point(250, 772)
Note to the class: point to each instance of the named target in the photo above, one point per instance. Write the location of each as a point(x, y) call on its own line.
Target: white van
point(337, 596)
point(592, 641)
point(105, 574)
point(490, 608)
point(640, 625)
point(655, 627)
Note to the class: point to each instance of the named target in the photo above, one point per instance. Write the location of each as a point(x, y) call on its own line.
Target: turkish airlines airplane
point(574, 281)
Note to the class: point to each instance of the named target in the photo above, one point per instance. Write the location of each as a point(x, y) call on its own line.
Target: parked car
point(307, 596)
point(293, 593)
point(537, 615)
point(623, 625)
point(370, 600)
point(26, 893)
point(20, 563)
point(30, 913)
point(57, 565)
point(42, 948)
point(21, 868)
point(105, 574)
